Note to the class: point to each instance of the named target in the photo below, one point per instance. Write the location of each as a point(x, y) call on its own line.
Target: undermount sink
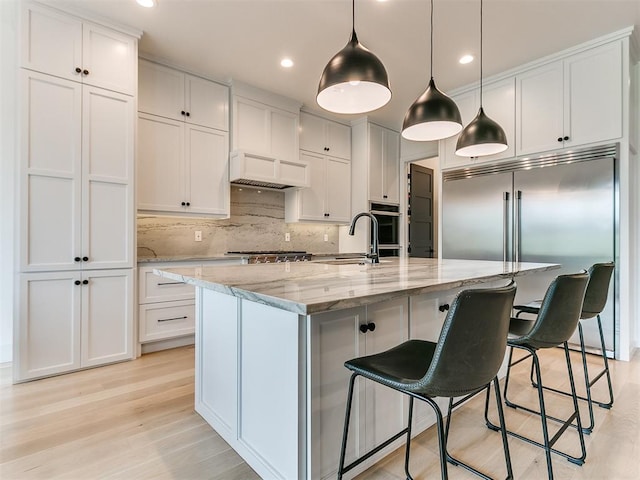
point(348, 261)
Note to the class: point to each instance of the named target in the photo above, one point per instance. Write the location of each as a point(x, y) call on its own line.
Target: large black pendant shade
point(354, 81)
point(481, 137)
point(432, 116)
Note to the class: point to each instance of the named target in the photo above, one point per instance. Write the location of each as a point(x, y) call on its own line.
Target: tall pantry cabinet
point(76, 233)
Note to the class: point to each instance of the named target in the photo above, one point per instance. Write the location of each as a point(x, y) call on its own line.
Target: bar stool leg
point(585, 369)
point(609, 404)
point(408, 447)
point(345, 432)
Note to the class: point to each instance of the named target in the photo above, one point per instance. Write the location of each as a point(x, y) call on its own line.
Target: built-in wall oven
point(388, 217)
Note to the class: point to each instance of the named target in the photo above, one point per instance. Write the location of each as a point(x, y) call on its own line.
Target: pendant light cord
point(480, 53)
point(431, 45)
point(353, 16)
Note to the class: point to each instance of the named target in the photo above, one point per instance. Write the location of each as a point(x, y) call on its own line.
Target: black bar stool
point(595, 299)
point(463, 362)
point(557, 319)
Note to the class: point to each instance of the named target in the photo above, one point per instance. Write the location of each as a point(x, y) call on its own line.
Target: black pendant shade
point(354, 81)
point(432, 116)
point(481, 137)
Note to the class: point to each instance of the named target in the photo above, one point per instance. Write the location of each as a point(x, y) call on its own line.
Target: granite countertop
point(312, 287)
point(230, 256)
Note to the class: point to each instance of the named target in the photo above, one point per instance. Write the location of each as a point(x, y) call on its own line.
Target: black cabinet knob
point(85, 282)
point(85, 259)
point(188, 204)
point(566, 138)
point(188, 114)
point(444, 308)
point(85, 72)
point(384, 196)
point(77, 259)
point(364, 328)
point(78, 70)
point(368, 327)
point(559, 139)
point(183, 112)
point(77, 282)
point(371, 326)
point(183, 204)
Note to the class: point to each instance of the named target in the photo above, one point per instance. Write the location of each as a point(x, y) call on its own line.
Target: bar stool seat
point(595, 299)
point(464, 362)
point(557, 319)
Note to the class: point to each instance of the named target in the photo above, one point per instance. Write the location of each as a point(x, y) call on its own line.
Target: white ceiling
point(245, 39)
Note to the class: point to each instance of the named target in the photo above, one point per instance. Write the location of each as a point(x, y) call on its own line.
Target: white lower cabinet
point(72, 320)
point(377, 412)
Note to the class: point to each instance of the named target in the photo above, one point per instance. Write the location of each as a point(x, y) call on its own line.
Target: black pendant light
point(354, 80)
point(433, 115)
point(482, 136)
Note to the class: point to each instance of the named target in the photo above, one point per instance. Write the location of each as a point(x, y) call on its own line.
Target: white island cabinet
point(272, 339)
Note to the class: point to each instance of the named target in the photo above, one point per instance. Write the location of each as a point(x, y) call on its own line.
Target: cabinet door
point(207, 103)
point(593, 95)
point(312, 133)
point(284, 135)
point(499, 101)
point(338, 190)
point(51, 42)
point(160, 164)
point(313, 198)
point(376, 156)
point(161, 90)
point(108, 211)
point(51, 173)
point(391, 165)
point(48, 333)
point(539, 109)
point(335, 340)
point(338, 140)
point(110, 58)
point(107, 316)
point(251, 131)
point(207, 174)
point(383, 404)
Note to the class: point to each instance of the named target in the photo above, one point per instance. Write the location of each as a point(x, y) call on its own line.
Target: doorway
point(420, 211)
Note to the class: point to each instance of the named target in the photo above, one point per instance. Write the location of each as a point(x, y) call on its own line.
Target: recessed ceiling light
point(286, 62)
point(466, 59)
point(146, 3)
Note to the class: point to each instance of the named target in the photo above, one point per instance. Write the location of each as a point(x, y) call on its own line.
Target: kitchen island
point(271, 340)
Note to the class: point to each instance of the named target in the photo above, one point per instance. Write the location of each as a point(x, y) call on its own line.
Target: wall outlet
point(326, 237)
point(198, 236)
point(287, 237)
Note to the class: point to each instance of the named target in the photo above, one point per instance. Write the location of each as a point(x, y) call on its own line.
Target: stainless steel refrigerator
point(559, 208)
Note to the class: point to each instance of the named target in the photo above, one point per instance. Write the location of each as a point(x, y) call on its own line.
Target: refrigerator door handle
point(505, 225)
point(516, 227)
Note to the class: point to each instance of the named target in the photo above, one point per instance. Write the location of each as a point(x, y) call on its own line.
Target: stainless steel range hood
point(256, 170)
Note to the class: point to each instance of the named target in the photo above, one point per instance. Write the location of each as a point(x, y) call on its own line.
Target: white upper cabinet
point(77, 172)
point(571, 102)
point(62, 45)
point(182, 168)
point(324, 136)
point(498, 101)
point(328, 198)
point(384, 164)
point(177, 95)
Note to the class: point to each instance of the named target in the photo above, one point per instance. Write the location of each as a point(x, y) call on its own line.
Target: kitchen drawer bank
point(166, 308)
point(271, 340)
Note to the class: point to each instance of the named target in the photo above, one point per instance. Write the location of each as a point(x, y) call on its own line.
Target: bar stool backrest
point(595, 298)
point(472, 343)
point(559, 312)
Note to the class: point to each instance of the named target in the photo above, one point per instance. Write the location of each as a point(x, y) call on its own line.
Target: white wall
point(8, 153)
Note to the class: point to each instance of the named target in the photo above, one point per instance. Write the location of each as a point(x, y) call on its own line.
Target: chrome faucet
point(374, 255)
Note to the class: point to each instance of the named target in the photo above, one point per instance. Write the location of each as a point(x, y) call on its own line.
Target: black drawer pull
point(171, 283)
point(170, 319)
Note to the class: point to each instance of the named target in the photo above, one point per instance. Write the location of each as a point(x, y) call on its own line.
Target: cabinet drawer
point(166, 320)
point(154, 288)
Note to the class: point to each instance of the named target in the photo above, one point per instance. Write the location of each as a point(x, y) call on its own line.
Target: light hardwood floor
point(136, 420)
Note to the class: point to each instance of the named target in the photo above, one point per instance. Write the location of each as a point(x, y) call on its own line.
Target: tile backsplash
point(256, 223)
